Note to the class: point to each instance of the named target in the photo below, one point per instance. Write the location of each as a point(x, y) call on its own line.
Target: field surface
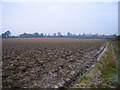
point(47, 62)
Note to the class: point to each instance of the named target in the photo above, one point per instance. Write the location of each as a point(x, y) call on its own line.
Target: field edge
point(104, 74)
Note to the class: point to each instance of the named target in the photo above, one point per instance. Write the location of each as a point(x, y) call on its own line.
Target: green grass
point(84, 77)
point(105, 72)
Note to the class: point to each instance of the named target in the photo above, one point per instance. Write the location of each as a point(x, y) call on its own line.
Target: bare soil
point(46, 62)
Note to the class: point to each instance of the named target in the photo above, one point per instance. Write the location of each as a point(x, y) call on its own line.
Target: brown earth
point(46, 62)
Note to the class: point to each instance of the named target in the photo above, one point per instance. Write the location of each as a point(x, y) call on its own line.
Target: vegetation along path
point(105, 72)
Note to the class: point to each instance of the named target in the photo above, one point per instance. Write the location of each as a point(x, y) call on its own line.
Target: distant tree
point(41, 35)
point(23, 35)
point(59, 34)
point(114, 36)
point(48, 35)
point(3, 35)
point(45, 35)
point(83, 36)
point(68, 34)
point(54, 34)
point(118, 38)
point(36, 34)
point(7, 34)
point(79, 34)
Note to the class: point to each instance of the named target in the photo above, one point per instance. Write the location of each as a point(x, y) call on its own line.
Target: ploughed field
point(47, 62)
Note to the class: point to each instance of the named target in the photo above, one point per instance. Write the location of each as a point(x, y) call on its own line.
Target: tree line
point(7, 34)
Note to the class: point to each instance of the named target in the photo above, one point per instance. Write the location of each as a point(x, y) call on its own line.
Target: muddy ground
point(47, 62)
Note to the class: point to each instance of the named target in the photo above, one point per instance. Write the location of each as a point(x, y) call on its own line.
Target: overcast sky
point(53, 17)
